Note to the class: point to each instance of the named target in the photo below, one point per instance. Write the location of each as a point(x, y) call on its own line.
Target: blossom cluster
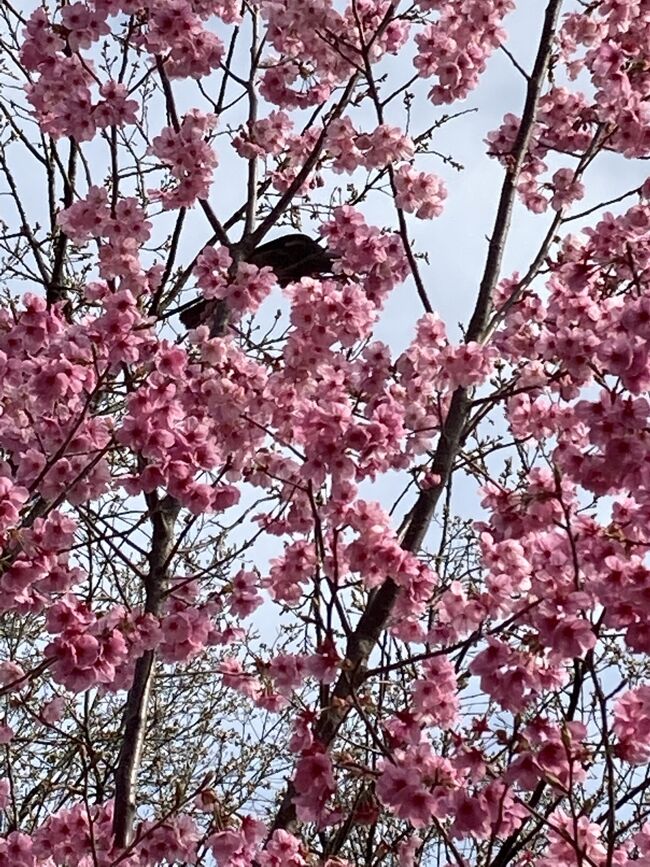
point(190, 158)
point(456, 48)
point(99, 402)
point(294, 30)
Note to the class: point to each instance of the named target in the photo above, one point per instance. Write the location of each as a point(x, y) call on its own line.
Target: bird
point(291, 257)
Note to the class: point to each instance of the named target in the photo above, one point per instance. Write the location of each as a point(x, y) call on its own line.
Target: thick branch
point(163, 518)
point(55, 290)
point(508, 190)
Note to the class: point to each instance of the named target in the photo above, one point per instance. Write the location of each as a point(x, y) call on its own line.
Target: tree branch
point(163, 514)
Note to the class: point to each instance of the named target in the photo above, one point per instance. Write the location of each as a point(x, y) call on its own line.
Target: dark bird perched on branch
point(291, 257)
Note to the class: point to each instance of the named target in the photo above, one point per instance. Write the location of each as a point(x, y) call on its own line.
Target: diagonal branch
point(55, 290)
point(163, 514)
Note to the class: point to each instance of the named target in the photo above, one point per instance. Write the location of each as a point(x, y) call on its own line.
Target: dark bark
point(163, 515)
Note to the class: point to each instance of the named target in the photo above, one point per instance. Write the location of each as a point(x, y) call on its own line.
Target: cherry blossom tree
point(277, 590)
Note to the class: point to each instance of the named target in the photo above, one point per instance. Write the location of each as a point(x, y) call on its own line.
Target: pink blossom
point(11, 674)
point(457, 46)
point(407, 851)
point(115, 109)
point(314, 784)
point(53, 710)
point(567, 189)
point(266, 136)
point(283, 848)
point(632, 725)
point(419, 192)
point(12, 498)
point(245, 597)
point(184, 634)
point(190, 158)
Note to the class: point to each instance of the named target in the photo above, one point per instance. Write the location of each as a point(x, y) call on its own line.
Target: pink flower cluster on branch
point(456, 48)
point(108, 415)
point(191, 160)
